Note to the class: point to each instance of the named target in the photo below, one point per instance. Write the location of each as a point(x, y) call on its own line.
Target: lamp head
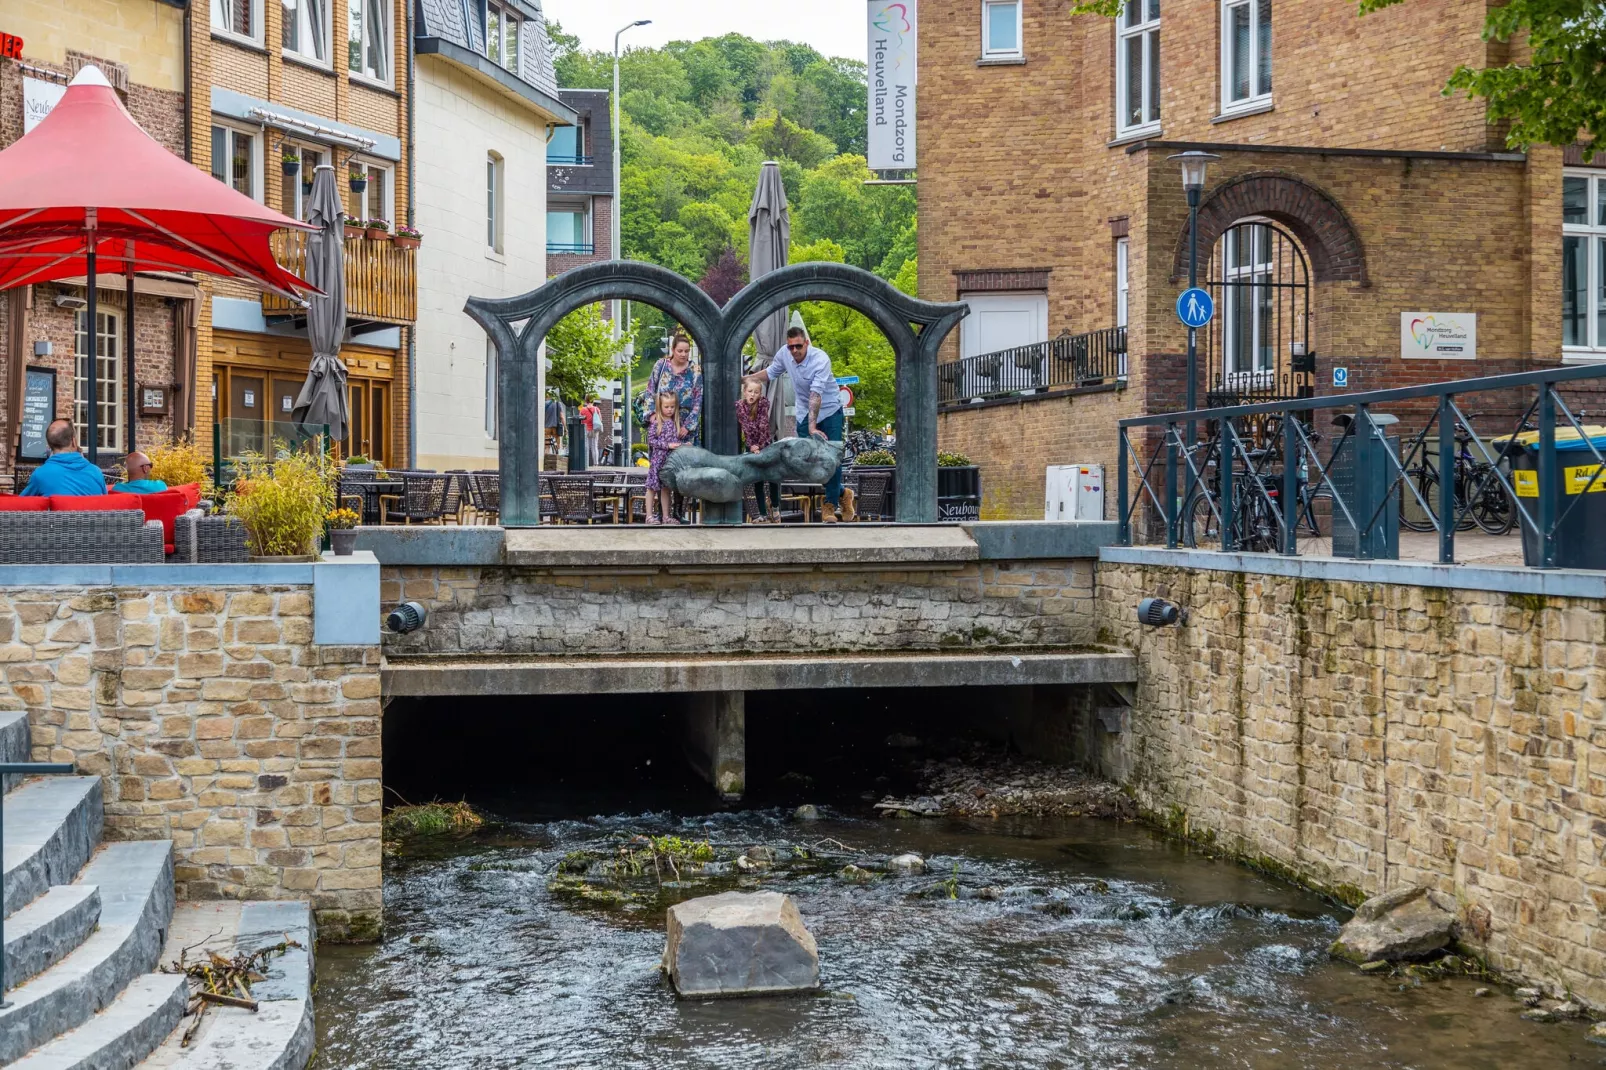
point(1193, 164)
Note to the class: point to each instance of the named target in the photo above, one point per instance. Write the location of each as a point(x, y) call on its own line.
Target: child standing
point(753, 414)
point(664, 433)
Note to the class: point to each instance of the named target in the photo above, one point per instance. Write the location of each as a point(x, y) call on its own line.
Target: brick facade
point(1399, 197)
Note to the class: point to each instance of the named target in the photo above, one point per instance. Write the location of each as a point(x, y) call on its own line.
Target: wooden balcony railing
point(381, 279)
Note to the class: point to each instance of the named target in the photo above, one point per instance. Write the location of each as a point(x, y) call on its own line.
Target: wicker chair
point(548, 501)
point(872, 493)
point(576, 500)
point(456, 499)
point(485, 494)
point(423, 499)
point(202, 539)
point(89, 538)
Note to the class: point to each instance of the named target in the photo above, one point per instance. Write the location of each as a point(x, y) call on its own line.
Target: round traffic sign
point(847, 398)
point(1195, 307)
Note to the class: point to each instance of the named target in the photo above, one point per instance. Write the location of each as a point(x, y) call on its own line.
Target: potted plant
point(290, 160)
point(354, 227)
point(342, 530)
point(407, 236)
point(282, 504)
point(958, 487)
point(378, 229)
point(359, 463)
point(358, 178)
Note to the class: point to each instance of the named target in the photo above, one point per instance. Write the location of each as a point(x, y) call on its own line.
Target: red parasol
point(89, 185)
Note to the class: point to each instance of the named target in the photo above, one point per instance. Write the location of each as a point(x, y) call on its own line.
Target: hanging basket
point(358, 184)
point(291, 167)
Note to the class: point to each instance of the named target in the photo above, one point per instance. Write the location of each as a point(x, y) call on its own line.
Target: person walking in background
point(753, 416)
point(677, 373)
point(818, 395)
point(664, 433)
point(65, 471)
point(588, 416)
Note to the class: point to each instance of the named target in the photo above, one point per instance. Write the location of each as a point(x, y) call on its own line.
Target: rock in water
point(1411, 923)
point(740, 944)
point(907, 864)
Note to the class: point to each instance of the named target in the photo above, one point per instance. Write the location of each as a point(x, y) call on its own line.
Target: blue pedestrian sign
point(1195, 307)
point(1341, 377)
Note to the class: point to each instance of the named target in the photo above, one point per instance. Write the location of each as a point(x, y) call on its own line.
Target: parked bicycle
point(1480, 497)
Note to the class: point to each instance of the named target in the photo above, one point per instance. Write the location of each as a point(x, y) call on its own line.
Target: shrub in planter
point(283, 502)
point(875, 459)
point(183, 462)
point(378, 229)
point(956, 476)
point(407, 237)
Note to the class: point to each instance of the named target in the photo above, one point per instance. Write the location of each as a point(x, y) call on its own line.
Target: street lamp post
point(1193, 164)
point(618, 197)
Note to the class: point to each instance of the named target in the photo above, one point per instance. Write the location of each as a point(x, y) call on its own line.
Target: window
point(1122, 280)
point(374, 200)
point(1248, 337)
point(1137, 67)
point(235, 160)
point(1583, 260)
point(1000, 28)
point(493, 201)
point(368, 38)
point(238, 17)
point(108, 400)
point(502, 36)
point(1245, 53)
point(306, 28)
point(295, 190)
point(493, 396)
point(568, 229)
point(568, 145)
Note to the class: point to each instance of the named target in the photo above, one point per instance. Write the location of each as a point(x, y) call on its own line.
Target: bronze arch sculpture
point(916, 329)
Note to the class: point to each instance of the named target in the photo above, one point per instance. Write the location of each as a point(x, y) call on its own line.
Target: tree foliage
point(582, 350)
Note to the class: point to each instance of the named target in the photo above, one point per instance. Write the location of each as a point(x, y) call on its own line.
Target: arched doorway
point(1257, 348)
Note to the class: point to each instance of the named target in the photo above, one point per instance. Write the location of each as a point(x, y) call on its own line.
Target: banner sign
point(1439, 335)
point(38, 97)
point(893, 31)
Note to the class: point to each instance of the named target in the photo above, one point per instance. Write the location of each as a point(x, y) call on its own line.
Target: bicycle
point(1480, 498)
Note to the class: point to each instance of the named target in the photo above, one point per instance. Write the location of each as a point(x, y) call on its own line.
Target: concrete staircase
point(86, 925)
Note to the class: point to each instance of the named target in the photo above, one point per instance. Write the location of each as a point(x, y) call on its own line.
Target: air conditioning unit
point(1073, 492)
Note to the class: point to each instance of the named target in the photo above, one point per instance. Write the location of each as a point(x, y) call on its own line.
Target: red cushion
point(92, 503)
point(15, 503)
point(164, 506)
point(191, 492)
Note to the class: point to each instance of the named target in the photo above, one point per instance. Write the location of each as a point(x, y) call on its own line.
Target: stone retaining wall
point(759, 609)
point(216, 722)
point(1370, 736)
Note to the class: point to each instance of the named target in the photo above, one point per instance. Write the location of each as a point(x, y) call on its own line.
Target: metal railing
point(1255, 478)
point(381, 277)
point(558, 248)
point(1071, 360)
point(570, 161)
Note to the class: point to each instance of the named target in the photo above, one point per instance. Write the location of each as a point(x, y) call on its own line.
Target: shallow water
point(1107, 947)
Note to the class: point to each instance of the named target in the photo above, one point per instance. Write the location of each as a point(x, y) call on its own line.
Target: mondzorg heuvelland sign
point(893, 31)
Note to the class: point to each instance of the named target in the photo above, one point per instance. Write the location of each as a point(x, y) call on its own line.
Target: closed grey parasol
point(322, 401)
point(769, 232)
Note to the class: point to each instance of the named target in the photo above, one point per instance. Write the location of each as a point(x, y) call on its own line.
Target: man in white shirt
point(814, 383)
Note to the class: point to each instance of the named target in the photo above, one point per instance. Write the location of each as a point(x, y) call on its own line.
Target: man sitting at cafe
point(139, 480)
point(65, 471)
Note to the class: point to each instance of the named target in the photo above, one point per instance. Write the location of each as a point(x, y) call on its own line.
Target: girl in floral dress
point(753, 414)
point(664, 433)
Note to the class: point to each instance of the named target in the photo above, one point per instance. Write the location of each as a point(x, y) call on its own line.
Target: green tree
point(780, 137)
point(582, 351)
point(857, 346)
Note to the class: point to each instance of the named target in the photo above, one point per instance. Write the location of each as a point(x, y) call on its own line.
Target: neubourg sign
point(893, 29)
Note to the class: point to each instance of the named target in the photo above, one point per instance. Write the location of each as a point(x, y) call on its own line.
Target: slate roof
point(458, 21)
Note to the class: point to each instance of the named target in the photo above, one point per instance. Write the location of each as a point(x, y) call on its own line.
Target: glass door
point(247, 405)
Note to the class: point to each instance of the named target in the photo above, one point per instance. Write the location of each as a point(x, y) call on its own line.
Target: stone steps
point(47, 929)
point(279, 1036)
point(122, 1034)
point(52, 823)
point(135, 883)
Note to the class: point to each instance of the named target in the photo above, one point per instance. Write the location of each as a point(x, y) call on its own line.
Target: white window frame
point(1593, 234)
point(1257, 97)
point(109, 392)
point(1123, 279)
point(307, 168)
point(328, 33)
point(388, 209)
point(587, 236)
point(495, 202)
point(505, 14)
point(219, 20)
point(361, 73)
point(1236, 314)
point(988, 51)
point(254, 136)
point(1149, 30)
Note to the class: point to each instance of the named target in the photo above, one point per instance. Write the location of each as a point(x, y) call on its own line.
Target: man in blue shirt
point(139, 481)
point(66, 471)
point(812, 378)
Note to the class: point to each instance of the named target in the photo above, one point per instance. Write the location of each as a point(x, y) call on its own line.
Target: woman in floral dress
point(677, 374)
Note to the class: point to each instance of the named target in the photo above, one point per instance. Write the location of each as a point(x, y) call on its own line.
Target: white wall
point(459, 122)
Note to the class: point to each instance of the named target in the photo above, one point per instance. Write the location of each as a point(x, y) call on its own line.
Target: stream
point(1031, 943)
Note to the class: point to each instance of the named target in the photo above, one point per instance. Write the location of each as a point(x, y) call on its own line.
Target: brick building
point(140, 47)
point(1351, 198)
point(580, 193)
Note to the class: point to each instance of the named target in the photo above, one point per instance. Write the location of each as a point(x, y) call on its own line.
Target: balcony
point(1071, 361)
point(381, 279)
point(570, 161)
point(559, 248)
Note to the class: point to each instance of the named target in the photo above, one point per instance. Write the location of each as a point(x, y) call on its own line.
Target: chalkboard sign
point(38, 409)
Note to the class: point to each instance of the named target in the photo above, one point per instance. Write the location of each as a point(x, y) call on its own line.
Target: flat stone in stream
point(1410, 923)
point(740, 944)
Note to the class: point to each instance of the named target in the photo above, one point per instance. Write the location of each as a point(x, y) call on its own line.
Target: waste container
point(1581, 524)
point(1383, 537)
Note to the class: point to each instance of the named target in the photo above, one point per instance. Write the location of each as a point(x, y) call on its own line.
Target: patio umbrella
point(322, 401)
point(88, 187)
point(769, 232)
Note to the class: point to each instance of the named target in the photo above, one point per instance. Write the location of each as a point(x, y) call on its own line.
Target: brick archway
point(1307, 212)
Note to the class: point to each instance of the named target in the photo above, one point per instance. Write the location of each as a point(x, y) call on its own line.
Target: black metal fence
point(1261, 477)
point(1071, 360)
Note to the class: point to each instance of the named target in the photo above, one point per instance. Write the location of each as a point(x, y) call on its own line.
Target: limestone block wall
point(753, 610)
point(215, 722)
point(1370, 736)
